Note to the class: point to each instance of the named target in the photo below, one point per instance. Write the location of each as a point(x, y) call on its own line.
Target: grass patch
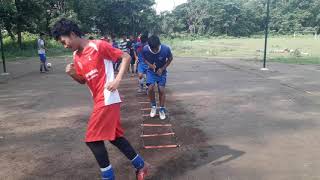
point(296, 60)
point(251, 48)
point(244, 48)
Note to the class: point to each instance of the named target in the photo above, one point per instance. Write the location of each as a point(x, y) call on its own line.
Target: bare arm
point(168, 62)
point(152, 66)
point(160, 70)
point(112, 86)
point(124, 66)
point(44, 45)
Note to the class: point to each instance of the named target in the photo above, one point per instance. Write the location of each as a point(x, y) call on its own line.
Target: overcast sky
point(167, 5)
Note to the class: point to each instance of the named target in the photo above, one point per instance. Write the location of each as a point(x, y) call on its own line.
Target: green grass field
point(306, 48)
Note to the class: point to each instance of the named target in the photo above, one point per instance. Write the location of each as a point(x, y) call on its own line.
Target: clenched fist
point(70, 69)
point(153, 66)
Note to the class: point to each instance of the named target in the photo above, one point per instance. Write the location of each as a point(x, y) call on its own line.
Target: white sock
point(141, 82)
point(106, 169)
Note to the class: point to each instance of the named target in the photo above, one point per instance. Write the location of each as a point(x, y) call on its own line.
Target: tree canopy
point(200, 17)
point(242, 17)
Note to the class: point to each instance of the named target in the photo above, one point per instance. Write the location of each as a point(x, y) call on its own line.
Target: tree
point(121, 17)
point(6, 16)
point(241, 17)
point(26, 17)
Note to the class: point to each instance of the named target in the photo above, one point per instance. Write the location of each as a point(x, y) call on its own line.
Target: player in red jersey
point(92, 66)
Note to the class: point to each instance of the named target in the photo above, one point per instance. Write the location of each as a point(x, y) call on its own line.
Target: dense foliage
point(200, 17)
point(242, 17)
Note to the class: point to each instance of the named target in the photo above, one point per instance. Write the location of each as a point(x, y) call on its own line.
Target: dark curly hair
point(154, 41)
point(65, 27)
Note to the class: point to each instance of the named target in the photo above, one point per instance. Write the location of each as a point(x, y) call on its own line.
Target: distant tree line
point(196, 17)
point(241, 17)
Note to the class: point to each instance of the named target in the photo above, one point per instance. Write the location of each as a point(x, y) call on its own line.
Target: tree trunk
point(48, 25)
point(17, 4)
point(19, 38)
point(2, 54)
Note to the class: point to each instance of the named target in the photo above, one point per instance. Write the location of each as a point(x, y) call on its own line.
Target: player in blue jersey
point(142, 66)
point(158, 57)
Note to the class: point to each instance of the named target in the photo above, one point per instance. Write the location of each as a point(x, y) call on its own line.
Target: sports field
point(304, 49)
point(285, 49)
point(232, 121)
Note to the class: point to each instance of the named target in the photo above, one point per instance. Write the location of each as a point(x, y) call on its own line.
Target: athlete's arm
point(152, 66)
point(160, 70)
point(112, 86)
point(44, 45)
point(168, 62)
point(70, 70)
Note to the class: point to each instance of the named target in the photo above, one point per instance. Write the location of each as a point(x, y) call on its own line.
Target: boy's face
point(156, 49)
point(70, 42)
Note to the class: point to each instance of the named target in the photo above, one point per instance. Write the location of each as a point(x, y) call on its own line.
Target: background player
point(158, 57)
point(142, 66)
point(42, 53)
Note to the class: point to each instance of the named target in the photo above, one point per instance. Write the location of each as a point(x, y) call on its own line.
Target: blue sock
point(138, 162)
point(107, 173)
point(153, 103)
point(162, 109)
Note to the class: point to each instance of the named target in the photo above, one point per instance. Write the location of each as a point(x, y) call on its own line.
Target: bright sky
point(167, 5)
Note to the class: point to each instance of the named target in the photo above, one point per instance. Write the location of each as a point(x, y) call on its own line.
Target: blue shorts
point(153, 78)
point(43, 57)
point(142, 68)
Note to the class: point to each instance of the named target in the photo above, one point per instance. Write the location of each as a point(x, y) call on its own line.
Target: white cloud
point(167, 5)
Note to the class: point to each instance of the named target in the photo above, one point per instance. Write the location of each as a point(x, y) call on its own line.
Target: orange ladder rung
point(161, 146)
point(156, 135)
point(156, 125)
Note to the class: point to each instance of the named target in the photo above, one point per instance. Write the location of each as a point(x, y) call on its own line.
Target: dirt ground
point(233, 122)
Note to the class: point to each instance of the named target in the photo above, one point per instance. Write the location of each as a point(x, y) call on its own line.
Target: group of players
point(95, 62)
point(150, 59)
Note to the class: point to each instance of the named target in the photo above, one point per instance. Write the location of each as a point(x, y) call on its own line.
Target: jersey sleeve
point(108, 52)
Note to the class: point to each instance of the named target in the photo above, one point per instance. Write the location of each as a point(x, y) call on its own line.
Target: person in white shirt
point(42, 54)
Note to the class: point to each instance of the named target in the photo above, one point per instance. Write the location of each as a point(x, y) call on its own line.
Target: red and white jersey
point(95, 64)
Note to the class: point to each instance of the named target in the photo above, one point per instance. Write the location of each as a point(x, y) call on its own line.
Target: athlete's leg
point(100, 153)
point(162, 96)
point(132, 68)
point(41, 67)
point(125, 147)
point(151, 94)
point(136, 160)
point(45, 62)
point(141, 81)
point(41, 63)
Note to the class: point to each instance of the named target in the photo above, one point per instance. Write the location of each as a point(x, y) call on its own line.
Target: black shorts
point(133, 60)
